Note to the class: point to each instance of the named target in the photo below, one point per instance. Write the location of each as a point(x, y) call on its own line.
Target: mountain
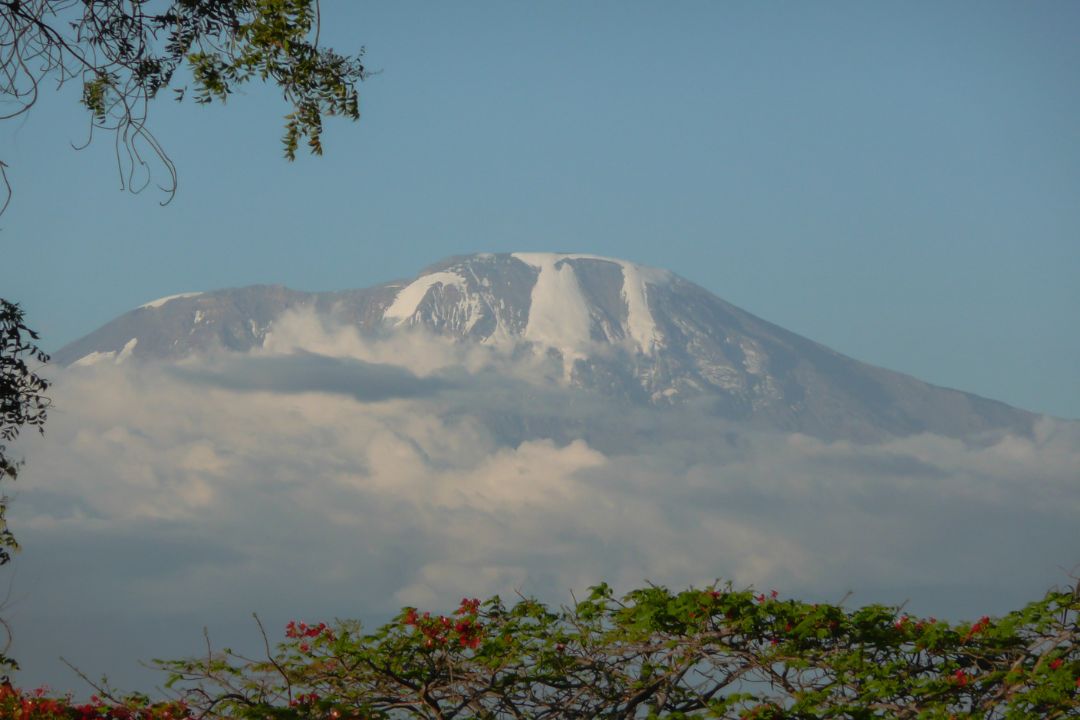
point(633, 334)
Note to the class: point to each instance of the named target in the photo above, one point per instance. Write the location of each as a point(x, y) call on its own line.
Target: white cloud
point(160, 501)
point(416, 350)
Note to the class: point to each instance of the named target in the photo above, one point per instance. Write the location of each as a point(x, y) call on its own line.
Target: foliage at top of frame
point(124, 53)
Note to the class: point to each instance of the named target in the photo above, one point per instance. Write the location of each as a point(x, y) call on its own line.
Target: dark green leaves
point(22, 404)
point(124, 53)
point(272, 40)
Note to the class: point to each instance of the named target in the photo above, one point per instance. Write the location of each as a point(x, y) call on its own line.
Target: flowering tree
point(36, 705)
point(713, 653)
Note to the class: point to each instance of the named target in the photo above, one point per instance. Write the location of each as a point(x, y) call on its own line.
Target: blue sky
point(897, 181)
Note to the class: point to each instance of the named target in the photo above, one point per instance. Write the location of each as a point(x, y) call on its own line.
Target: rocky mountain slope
point(631, 333)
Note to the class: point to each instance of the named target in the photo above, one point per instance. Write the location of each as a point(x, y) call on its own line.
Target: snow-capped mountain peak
point(602, 324)
point(563, 311)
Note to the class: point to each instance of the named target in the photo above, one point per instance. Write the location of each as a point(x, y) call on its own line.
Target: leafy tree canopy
point(125, 53)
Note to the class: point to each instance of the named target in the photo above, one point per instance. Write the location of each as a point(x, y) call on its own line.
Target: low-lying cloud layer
point(327, 483)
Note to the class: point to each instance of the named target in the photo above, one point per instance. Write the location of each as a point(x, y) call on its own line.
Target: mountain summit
point(633, 333)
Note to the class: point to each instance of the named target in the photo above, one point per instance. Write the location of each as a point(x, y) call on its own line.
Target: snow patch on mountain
point(752, 359)
point(558, 312)
point(566, 316)
point(125, 352)
point(639, 319)
point(94, 358)
point(409, 298)
point(161, 301)
point(99, 357)
point(561, 313)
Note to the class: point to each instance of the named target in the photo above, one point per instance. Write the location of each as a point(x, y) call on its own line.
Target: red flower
point(976, 628)
point(1055, 663)
point(468, 606)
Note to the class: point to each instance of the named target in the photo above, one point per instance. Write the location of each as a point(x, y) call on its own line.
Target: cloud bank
point(333, 476)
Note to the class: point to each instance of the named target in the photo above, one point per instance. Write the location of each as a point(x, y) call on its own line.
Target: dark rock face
point(634, 334)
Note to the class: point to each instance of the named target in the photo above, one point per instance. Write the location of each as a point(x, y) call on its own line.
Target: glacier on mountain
point(558, 312)
point(407, 302)
point(551, 330)
point(117, 357)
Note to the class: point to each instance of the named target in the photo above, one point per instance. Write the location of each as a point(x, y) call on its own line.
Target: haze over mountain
point(630, 333)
